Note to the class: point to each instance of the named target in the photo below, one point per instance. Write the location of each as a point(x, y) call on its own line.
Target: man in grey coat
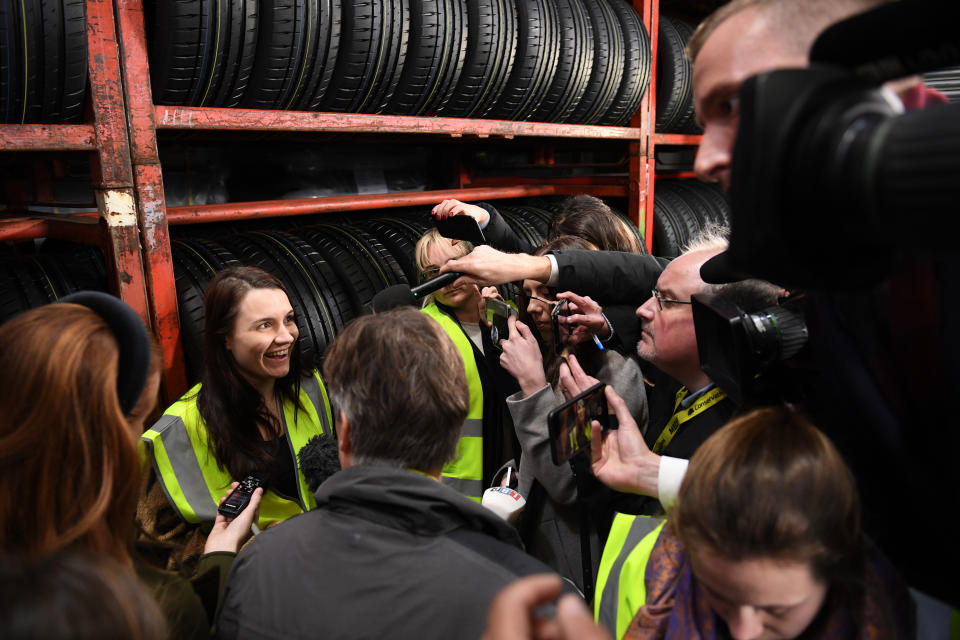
point(389, 551)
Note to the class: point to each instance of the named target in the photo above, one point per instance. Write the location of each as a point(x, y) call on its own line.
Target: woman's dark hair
point(769, 484)
point(230, 406)
point(76, 595)
point(591, 219)
point(590, 358)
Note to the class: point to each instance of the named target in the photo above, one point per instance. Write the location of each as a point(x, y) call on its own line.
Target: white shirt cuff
point(669, 479)
point(554, 271)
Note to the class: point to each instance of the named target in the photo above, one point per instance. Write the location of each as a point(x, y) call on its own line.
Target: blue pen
point(597, 342)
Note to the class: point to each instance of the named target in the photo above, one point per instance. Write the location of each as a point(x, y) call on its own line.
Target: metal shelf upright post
point(105, 135)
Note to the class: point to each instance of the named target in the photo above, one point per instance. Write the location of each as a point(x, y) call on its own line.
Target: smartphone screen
point(569, 424)
point(560, 331)
point(497, 314)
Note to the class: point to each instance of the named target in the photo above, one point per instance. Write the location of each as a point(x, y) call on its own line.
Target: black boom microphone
point(400, 295)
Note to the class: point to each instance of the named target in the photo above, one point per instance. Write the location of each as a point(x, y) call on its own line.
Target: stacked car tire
point(577, 61)
point(43, 61)
point(674, 78)
point(683, 208)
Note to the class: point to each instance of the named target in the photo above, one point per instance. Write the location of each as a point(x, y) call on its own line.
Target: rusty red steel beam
point(259, 120)
point(113, 172)
point(676, 138)
point(584, 181)
point(106, 95)
point(151, 201)
point(46, 137)
point(652, 20)
point(304, 206)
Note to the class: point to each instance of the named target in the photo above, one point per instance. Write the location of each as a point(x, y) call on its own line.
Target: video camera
point(839, 193)
point(826, 161)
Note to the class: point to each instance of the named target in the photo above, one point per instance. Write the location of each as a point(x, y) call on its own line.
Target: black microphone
point(319, 459)
point(401, 295)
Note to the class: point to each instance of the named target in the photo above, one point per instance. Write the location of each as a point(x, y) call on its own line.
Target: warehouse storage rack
point(133, 219)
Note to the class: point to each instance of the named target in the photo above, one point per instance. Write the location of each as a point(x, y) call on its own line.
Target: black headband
point(133, 342)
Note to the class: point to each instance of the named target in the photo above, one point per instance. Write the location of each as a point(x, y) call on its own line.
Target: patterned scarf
point(677, 606)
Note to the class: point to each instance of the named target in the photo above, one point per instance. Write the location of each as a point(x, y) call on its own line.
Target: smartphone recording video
point(497, 314)
point(560, 331)
point(569, 424)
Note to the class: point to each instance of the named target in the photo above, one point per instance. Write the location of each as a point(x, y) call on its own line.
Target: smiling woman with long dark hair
point(257, 404)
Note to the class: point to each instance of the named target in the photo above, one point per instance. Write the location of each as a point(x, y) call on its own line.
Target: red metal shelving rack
point(105, 136)
point(128, 175)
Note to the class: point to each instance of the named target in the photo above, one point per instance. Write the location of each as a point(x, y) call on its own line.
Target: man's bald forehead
point(794, 23)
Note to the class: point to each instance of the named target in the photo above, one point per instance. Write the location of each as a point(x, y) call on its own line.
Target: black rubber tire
point(321, 61)
point(191, 280)
point(285, 41)
point(348, 268)
point(83, 269)
point(491, 30)
point(674, 76)
point(704, 204)
point(608, 64)
point(398, 241)
point(573, 65)
point(435, 56)
point(685, 218)
point(201, 51)
point(10, 81)
point(687, 118)
point(520, 226)
point(714, 194)
point(636, 70)
point(396, 14)
point(241, 53)
point(538, 218)
point(43, 61)
point(667, 235)
point(388, 269)
point(195, 262)
point(373, 45)
point(536, 59)
point(12, 300)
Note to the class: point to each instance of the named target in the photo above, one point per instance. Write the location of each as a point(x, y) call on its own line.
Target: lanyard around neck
point(698, 406)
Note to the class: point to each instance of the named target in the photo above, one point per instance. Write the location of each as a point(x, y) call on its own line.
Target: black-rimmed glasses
point(660, 299)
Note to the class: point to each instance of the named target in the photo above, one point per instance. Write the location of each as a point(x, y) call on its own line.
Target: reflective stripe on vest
point(190, 475)
point(465, 473)
point(621, 589)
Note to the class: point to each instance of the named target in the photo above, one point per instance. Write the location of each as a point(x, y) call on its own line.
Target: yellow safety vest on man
point(621, 588)
point(178, 445)
point(465, 473)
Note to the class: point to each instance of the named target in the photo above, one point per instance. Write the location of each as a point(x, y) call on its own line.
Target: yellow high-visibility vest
point(179, 448)
point(465, 473)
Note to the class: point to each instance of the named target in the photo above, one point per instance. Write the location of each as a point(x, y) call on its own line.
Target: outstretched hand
point(515, 614)
point(486, 265)
point(521, 358)
point(451, 207)
point(586, 318)
point(573, 379)
point(228, 533)
point(624, 462)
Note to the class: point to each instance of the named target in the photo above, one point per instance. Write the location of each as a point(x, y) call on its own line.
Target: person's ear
point(344, 448)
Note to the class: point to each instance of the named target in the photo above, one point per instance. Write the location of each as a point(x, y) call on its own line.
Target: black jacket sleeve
point(626, 327)
point(609, 277)
point(499, 235)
